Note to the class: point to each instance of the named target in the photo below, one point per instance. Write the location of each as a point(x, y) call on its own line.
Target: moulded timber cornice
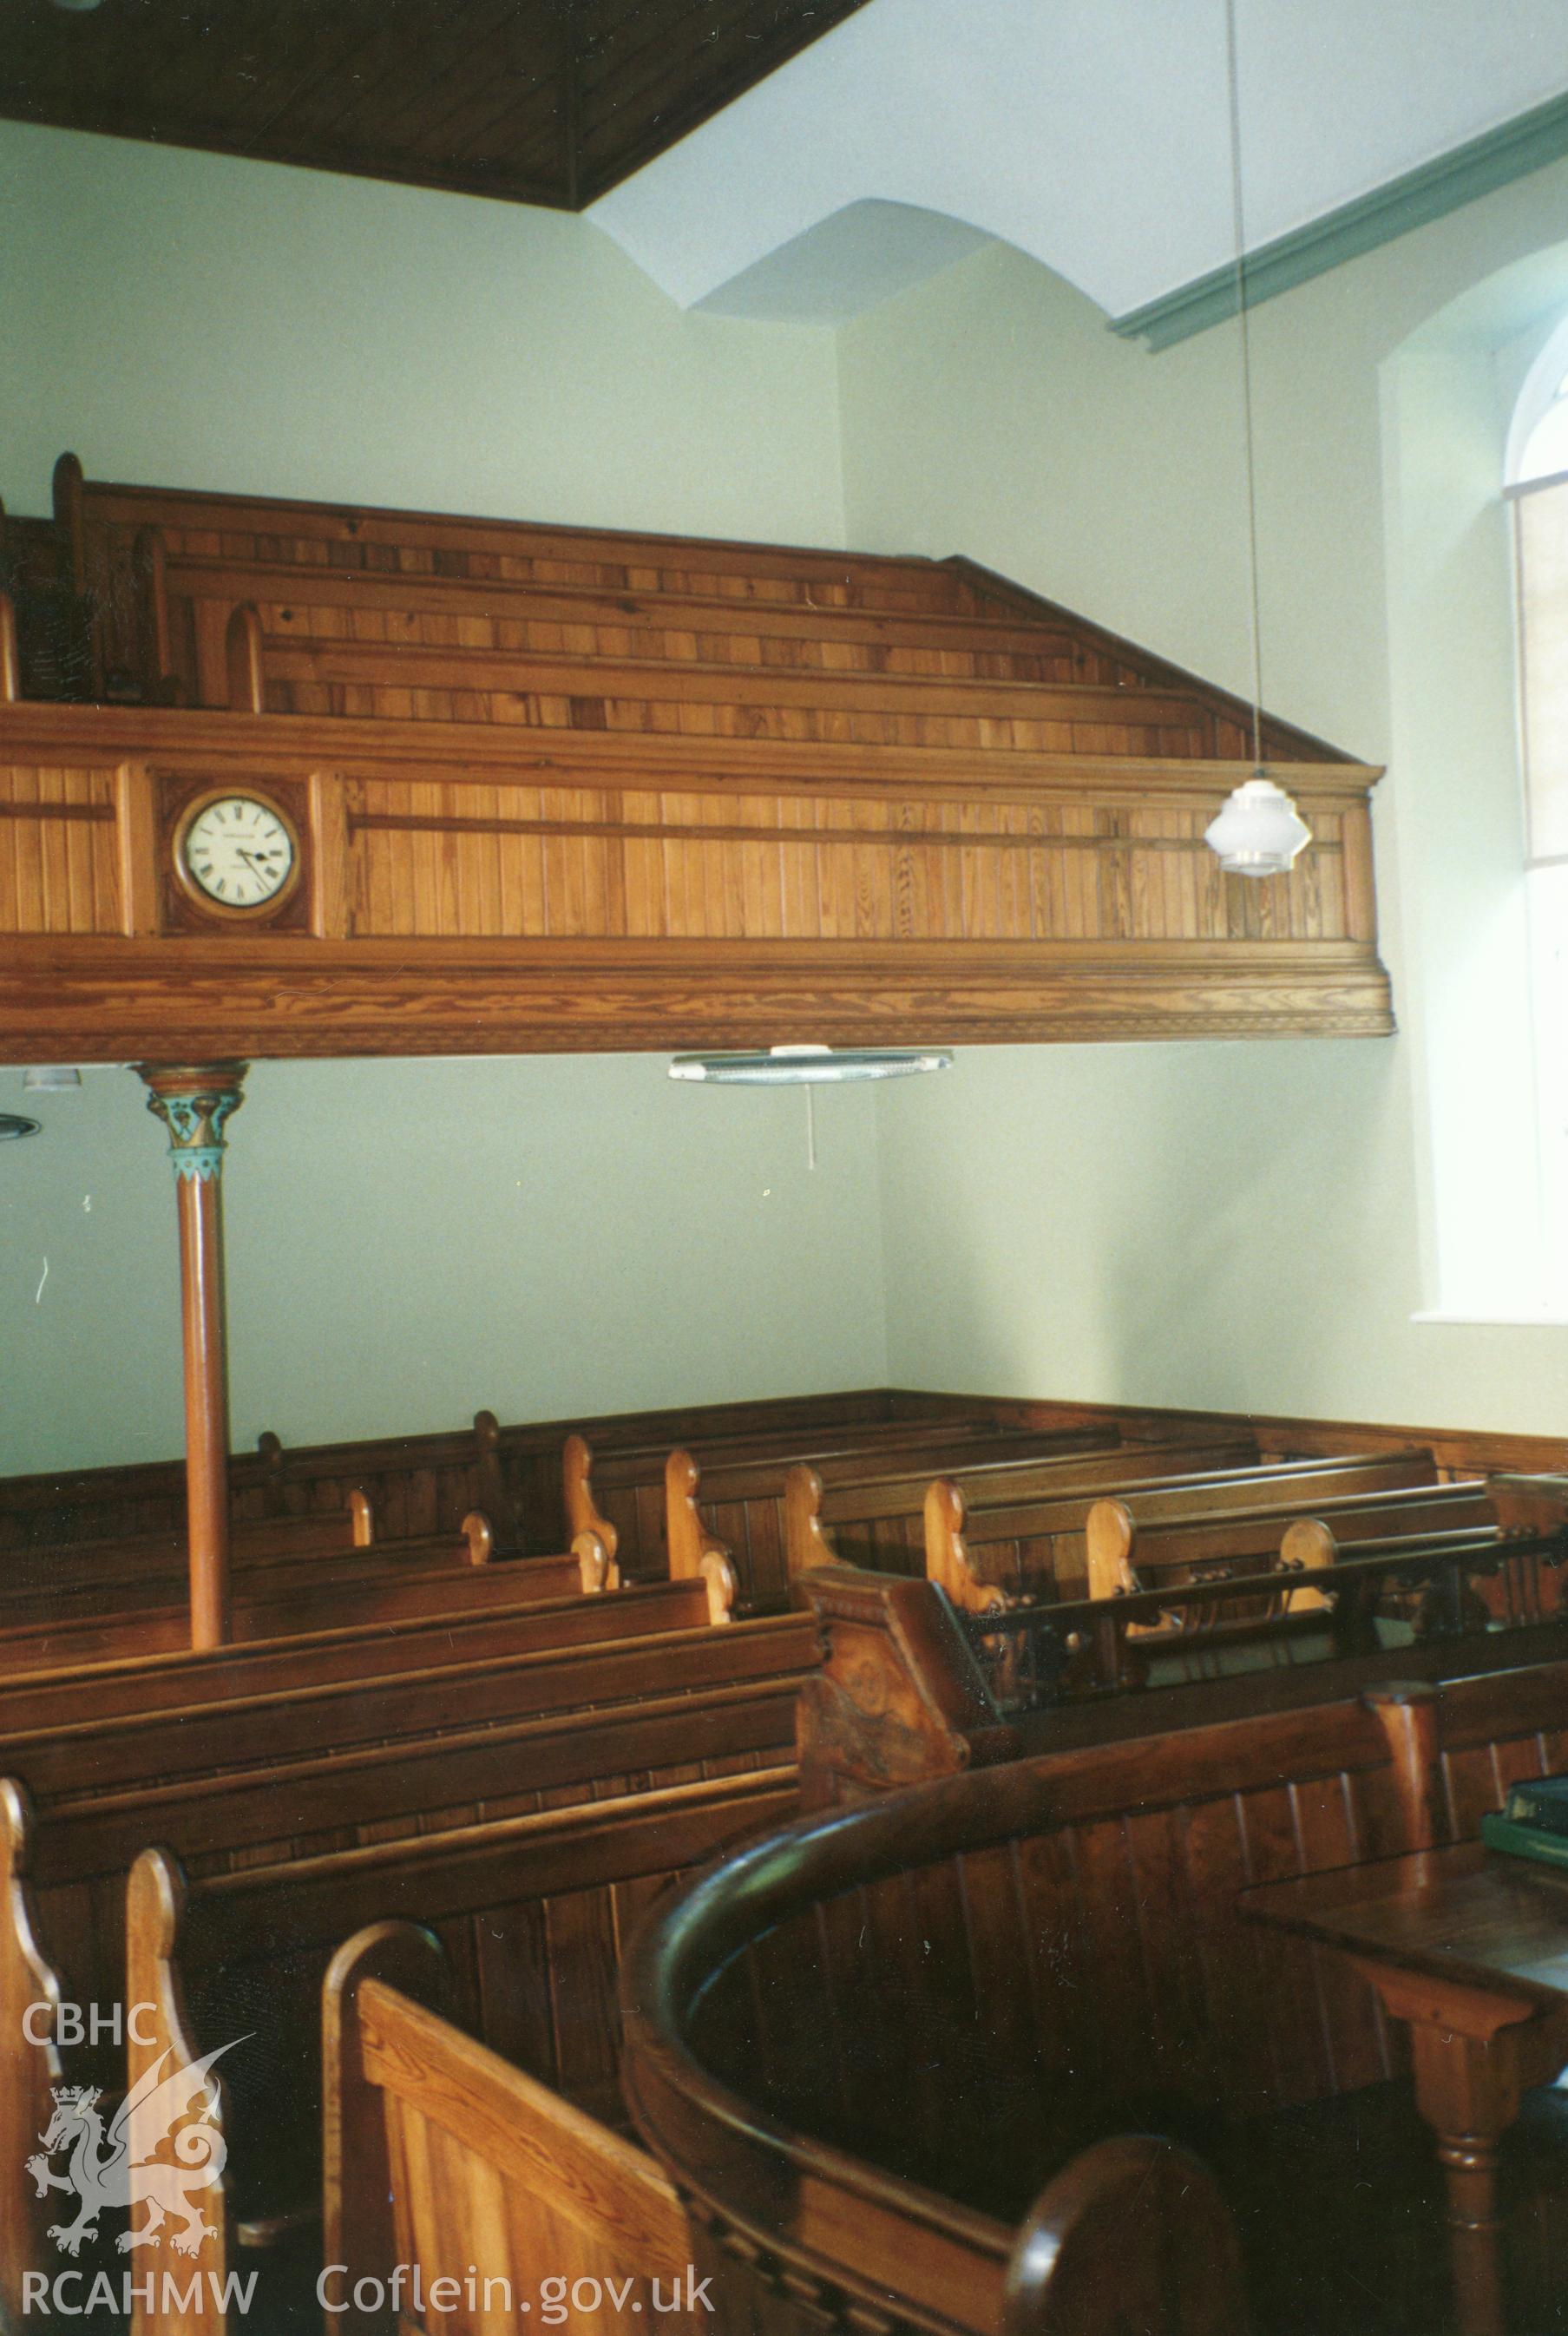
point(88, 999)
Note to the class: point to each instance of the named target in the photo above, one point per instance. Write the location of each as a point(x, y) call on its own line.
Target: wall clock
point(237, 852)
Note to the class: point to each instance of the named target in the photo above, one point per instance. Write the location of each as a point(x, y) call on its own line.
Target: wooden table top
point(1467, 1915)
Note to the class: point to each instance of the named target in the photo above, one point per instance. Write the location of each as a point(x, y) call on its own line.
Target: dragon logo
point(120, 2167)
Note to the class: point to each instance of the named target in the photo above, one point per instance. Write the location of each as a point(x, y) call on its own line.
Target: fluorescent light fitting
point(809, 1065)
point(50, 1079)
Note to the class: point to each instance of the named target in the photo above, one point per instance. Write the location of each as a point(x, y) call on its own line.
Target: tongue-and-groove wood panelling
point(565, 789)
point(525, 100)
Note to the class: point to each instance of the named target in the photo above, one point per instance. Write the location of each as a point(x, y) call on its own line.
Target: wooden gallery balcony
point(551, 789)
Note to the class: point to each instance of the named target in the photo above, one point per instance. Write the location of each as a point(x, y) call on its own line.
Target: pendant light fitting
point(1257, 830)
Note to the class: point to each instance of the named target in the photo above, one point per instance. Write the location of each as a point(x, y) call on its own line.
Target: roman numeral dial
point(237, 852)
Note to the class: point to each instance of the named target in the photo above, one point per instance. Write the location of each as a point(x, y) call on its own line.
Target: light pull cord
point(1239, 225)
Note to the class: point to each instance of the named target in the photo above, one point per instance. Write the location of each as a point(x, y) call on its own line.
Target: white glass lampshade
point(1257, 830)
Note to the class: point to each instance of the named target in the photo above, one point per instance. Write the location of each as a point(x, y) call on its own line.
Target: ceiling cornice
point(1512, 150)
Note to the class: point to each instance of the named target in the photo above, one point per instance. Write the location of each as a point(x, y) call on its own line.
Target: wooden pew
point(912, 1686)
point(530, 1909)
point(1128, 1553)
point(266, 1610)
point(954, 2066)
point(442, 2155)
point(621, 1495)
point(308, 1773)
point(147, 1582)
point(304, 607)
point(63, 1564)
point(737, 1510)
point(308, 1718)
point(986, 1555)
point(414, 1485)
point(878, 1520)
point(112, 1689)
point(1126, 1557)
point(90, 1576)
point(102, 529)
point(421, 1484)
point(451, 682)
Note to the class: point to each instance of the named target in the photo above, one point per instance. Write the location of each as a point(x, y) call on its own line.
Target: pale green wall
point(1229, 1224)
point(191, 320)
point(1244, 1224)
point(409, 1242)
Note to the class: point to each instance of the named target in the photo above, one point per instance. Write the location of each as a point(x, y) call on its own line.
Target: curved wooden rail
point(816, 2209)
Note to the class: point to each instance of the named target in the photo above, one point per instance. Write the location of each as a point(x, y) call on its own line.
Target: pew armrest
point(600, 1569)
point(718, 1573)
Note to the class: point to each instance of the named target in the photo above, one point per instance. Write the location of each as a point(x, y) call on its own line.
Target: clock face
point(237, 852)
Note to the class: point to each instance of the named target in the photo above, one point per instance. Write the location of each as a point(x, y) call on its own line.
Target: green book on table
point(1533, 1822)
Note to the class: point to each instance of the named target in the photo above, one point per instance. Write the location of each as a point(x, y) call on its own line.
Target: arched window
point(1538, 487)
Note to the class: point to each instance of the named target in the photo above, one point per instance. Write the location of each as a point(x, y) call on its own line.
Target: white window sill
point(1498, 1321)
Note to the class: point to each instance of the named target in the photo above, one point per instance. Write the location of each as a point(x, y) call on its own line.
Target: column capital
point(195, 1101)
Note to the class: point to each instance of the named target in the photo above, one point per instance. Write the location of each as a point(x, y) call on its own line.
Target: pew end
point(900, 1698)
point(689, 1541)
point(67, 490)
point(358, 2208)
point(582, 1510)
point(33, 2065)
point(448, 2159)
point(1135, 2233)
point(480, 1535)
point(1529, 1505)
point(946, 1557)
point(1308, 1545)
point(808, 1544)
point(10, 653)
point(161, 686)
point(245, 660)
point(155, 1902)
point(269, 1452)
point(1108, 1534)
point(362, 1518)
point(493, 1493)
